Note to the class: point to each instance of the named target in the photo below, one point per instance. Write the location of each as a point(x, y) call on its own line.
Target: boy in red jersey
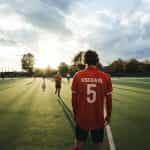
point(90, 87)
point(57, 79)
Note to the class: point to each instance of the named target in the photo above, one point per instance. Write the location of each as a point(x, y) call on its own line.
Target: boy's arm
point(108, 108)
point(108, 101)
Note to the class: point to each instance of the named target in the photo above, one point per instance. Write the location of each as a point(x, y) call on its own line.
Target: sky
point(55, 30)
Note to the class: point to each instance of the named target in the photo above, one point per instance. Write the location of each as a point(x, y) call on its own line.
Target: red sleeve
point(108, 96)
point(108, 86)
point(60, 78)
point(74, 89)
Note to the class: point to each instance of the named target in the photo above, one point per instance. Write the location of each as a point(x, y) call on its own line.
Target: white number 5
point(91, 91)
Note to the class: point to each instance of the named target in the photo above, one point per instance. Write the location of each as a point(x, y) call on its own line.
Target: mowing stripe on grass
point(13, 84)
point(131, 90)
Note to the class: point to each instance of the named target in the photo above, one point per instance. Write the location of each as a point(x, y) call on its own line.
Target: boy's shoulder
point(97, 71)
point(104, 74)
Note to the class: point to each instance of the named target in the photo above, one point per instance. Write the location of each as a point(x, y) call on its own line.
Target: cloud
point(43, 14)
point(20, 37)
point(7, 42)
point(146, 1)
point(115, 28)
point(114, 35)
point(139, 53)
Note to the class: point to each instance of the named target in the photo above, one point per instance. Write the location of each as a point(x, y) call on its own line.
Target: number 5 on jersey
point(91, 93)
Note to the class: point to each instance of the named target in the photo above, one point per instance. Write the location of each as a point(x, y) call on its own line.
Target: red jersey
point(58, 79)
point(89, 88)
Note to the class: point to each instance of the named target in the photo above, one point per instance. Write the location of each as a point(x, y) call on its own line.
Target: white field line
point(109, 135)
point(110, 138)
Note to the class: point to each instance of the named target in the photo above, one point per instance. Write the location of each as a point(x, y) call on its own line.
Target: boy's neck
point(91, 66)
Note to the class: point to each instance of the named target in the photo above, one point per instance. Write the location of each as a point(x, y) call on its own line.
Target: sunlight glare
point(48, 52)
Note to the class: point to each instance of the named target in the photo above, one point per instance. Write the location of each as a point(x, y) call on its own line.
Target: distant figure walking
point(57, 79)
point(68, 77)
point(44, 84)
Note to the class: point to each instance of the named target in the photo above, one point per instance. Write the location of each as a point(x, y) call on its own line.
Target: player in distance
point(58, 80)
point(90, 87)
point(68, 77)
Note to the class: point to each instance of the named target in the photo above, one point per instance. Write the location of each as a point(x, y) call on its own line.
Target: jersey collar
point(90, 68)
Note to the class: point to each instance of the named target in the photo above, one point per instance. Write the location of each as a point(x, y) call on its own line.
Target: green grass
point(34, 119)
point(131, 117)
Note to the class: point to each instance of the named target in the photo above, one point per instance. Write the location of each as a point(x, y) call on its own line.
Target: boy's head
point(91, 58)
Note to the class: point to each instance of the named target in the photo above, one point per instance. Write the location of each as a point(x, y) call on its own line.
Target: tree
point(118, 66)
point(73, 69)
point(78, 58)
point(63, 69)
point(48, 71)
point(27, 62)
point(78, 61)
point(132, 66)
point(146, 61)
point(38, 72)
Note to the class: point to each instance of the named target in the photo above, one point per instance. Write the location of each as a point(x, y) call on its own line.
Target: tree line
point(118, 67)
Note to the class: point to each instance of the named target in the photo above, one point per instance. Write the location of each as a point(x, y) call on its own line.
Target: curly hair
point(91, 57)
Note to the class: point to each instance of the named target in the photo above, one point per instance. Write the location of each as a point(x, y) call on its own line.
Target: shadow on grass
point(43, 85)
point(68, 113)
point(14, 100)
point(12, 123)
point(3, 89)
point(9, 81)
point(29, 83)
point(8, 87)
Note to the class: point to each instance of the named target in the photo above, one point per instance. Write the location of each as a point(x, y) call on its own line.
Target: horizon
point(55, 31)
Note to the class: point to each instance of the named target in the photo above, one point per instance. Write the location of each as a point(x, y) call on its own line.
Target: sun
point(46, 59)
point(47, 54)
point(42, 62)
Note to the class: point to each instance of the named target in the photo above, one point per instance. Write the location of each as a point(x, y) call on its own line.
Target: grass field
point(33, 118)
